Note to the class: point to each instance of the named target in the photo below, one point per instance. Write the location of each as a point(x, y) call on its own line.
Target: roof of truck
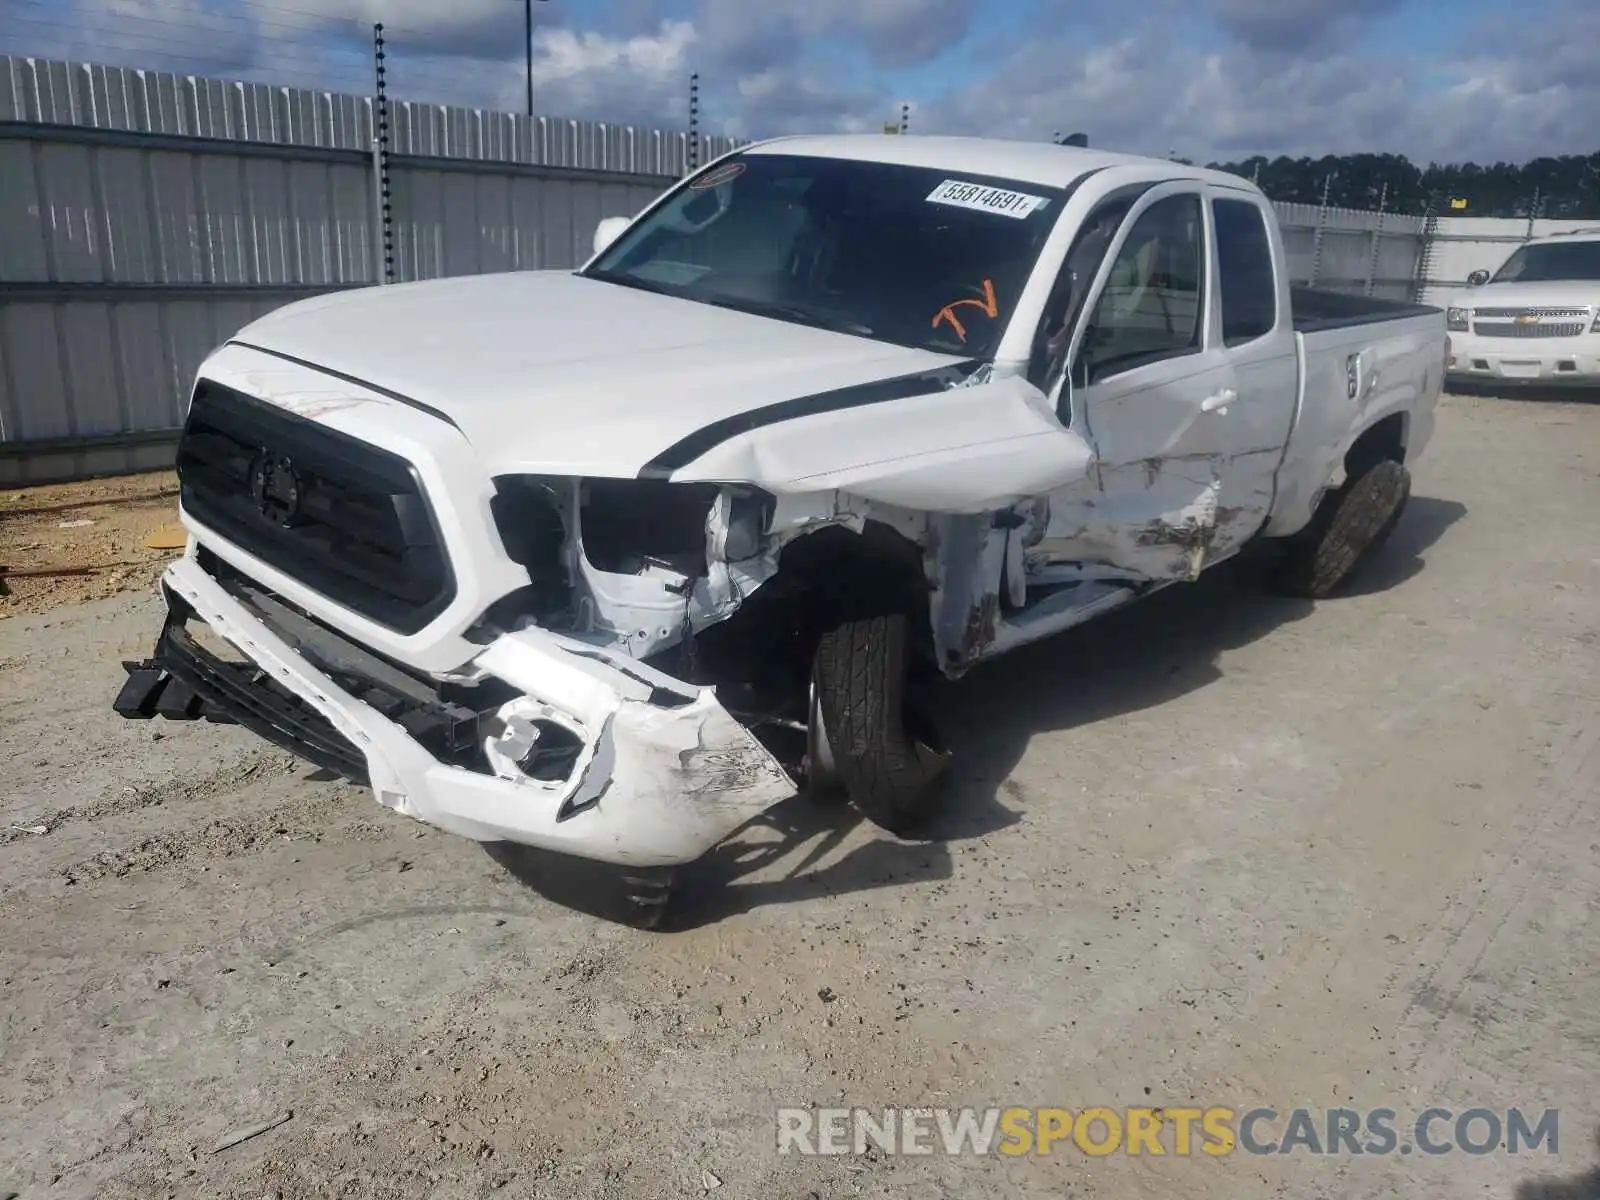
point(1043, 163)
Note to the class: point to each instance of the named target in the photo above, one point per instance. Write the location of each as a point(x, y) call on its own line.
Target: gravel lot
point(83, 541)
point(1218, 849)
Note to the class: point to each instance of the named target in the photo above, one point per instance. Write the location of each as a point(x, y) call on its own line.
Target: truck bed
point(1362, 362)
point(1315, 309)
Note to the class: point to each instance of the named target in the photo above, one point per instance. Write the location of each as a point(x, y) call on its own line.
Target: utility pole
point(527, 45)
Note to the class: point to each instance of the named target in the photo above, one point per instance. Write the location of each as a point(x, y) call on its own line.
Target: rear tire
point(885, 751)
point(1349, 525)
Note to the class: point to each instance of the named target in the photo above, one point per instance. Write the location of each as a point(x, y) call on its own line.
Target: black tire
point(823, 784)
point(885, 751)
point(1349, 525)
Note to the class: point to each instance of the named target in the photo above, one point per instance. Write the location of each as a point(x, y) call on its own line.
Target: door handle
point(1219, 402)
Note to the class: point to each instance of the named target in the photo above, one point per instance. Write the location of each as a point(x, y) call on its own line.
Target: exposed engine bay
point(715, 585)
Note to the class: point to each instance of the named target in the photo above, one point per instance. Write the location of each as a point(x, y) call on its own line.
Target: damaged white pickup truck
point(609, 561)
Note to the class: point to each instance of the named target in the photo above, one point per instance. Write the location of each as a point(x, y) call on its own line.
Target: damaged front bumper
point(651, 771)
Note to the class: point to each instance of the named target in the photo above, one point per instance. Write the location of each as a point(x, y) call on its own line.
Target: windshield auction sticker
point(979, 198)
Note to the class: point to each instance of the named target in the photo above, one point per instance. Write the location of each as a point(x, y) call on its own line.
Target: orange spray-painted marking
point(988, 306)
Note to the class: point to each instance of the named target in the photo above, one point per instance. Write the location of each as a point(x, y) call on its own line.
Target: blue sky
point(1206, 78)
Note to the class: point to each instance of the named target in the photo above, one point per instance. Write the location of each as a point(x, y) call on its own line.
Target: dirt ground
point(1219, 849)
point(96, 530)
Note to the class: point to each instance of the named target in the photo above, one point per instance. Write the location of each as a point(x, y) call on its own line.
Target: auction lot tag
point(979, 198)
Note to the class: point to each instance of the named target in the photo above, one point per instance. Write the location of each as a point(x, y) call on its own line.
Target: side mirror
point(1478, 279)
point(609, 230)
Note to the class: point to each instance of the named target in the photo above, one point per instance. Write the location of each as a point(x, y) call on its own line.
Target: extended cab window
point(1244, 263)
point(927, 258)
point(1153, 300)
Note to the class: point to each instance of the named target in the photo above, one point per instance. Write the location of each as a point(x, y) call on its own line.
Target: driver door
point(1144, 385)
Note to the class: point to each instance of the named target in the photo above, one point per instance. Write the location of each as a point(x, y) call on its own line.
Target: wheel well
point(1384, 440)
point(878, 570)
point(822, 577)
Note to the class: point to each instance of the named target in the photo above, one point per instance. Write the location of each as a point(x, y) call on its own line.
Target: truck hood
point(1565, 293)
point(548, 372)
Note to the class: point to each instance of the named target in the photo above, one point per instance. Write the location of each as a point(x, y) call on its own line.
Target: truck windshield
point(918, 257)
point(1550, 262)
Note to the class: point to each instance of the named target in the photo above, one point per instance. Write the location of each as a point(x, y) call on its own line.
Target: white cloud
point(639, 79)
point(1276, 76)
point(567, 54)
point(782, 100)
point(756, 34)
point(1147, 92)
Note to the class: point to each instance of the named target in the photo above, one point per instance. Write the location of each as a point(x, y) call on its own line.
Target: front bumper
point(663, 772)
point(1574, 361)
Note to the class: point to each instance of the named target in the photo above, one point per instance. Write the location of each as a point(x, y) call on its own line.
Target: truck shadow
point(1578, 1187)
point(1134, 659)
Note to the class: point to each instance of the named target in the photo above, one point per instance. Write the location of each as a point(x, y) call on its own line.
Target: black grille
point(258, 703)
point(345, 518)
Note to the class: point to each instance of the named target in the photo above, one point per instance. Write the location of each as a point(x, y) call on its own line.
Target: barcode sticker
point(979, 198)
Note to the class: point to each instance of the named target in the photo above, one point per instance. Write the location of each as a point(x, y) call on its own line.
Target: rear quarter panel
point(1351, 378)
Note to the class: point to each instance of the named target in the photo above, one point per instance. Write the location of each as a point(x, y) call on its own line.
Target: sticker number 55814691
point(980, 198)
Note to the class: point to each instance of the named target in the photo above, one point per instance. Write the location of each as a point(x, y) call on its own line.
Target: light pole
point(527, 45)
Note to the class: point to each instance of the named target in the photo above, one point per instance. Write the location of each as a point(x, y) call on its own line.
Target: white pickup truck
point(1536, 320)
point(610, 561)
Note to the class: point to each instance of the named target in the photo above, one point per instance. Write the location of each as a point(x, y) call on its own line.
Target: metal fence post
point(377, 204)
point(1430, 230)
point(1322, 225)
point(694, 124)
point(380, 162)
point(1377, 238)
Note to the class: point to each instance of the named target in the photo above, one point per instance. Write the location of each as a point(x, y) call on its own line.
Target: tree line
point(1565, 187)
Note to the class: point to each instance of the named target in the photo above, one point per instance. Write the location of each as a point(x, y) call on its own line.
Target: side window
point(1153, 303)
point(1071, 290)
point(1244, 259)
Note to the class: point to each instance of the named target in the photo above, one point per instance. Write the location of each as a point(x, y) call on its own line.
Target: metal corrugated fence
point(1350, 250)
point(144, 217)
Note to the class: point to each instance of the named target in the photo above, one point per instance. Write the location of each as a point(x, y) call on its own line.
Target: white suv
point(1536, 320)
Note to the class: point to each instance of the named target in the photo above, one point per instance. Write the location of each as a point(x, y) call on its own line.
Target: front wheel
point(1349, 525)
point(885, 752)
